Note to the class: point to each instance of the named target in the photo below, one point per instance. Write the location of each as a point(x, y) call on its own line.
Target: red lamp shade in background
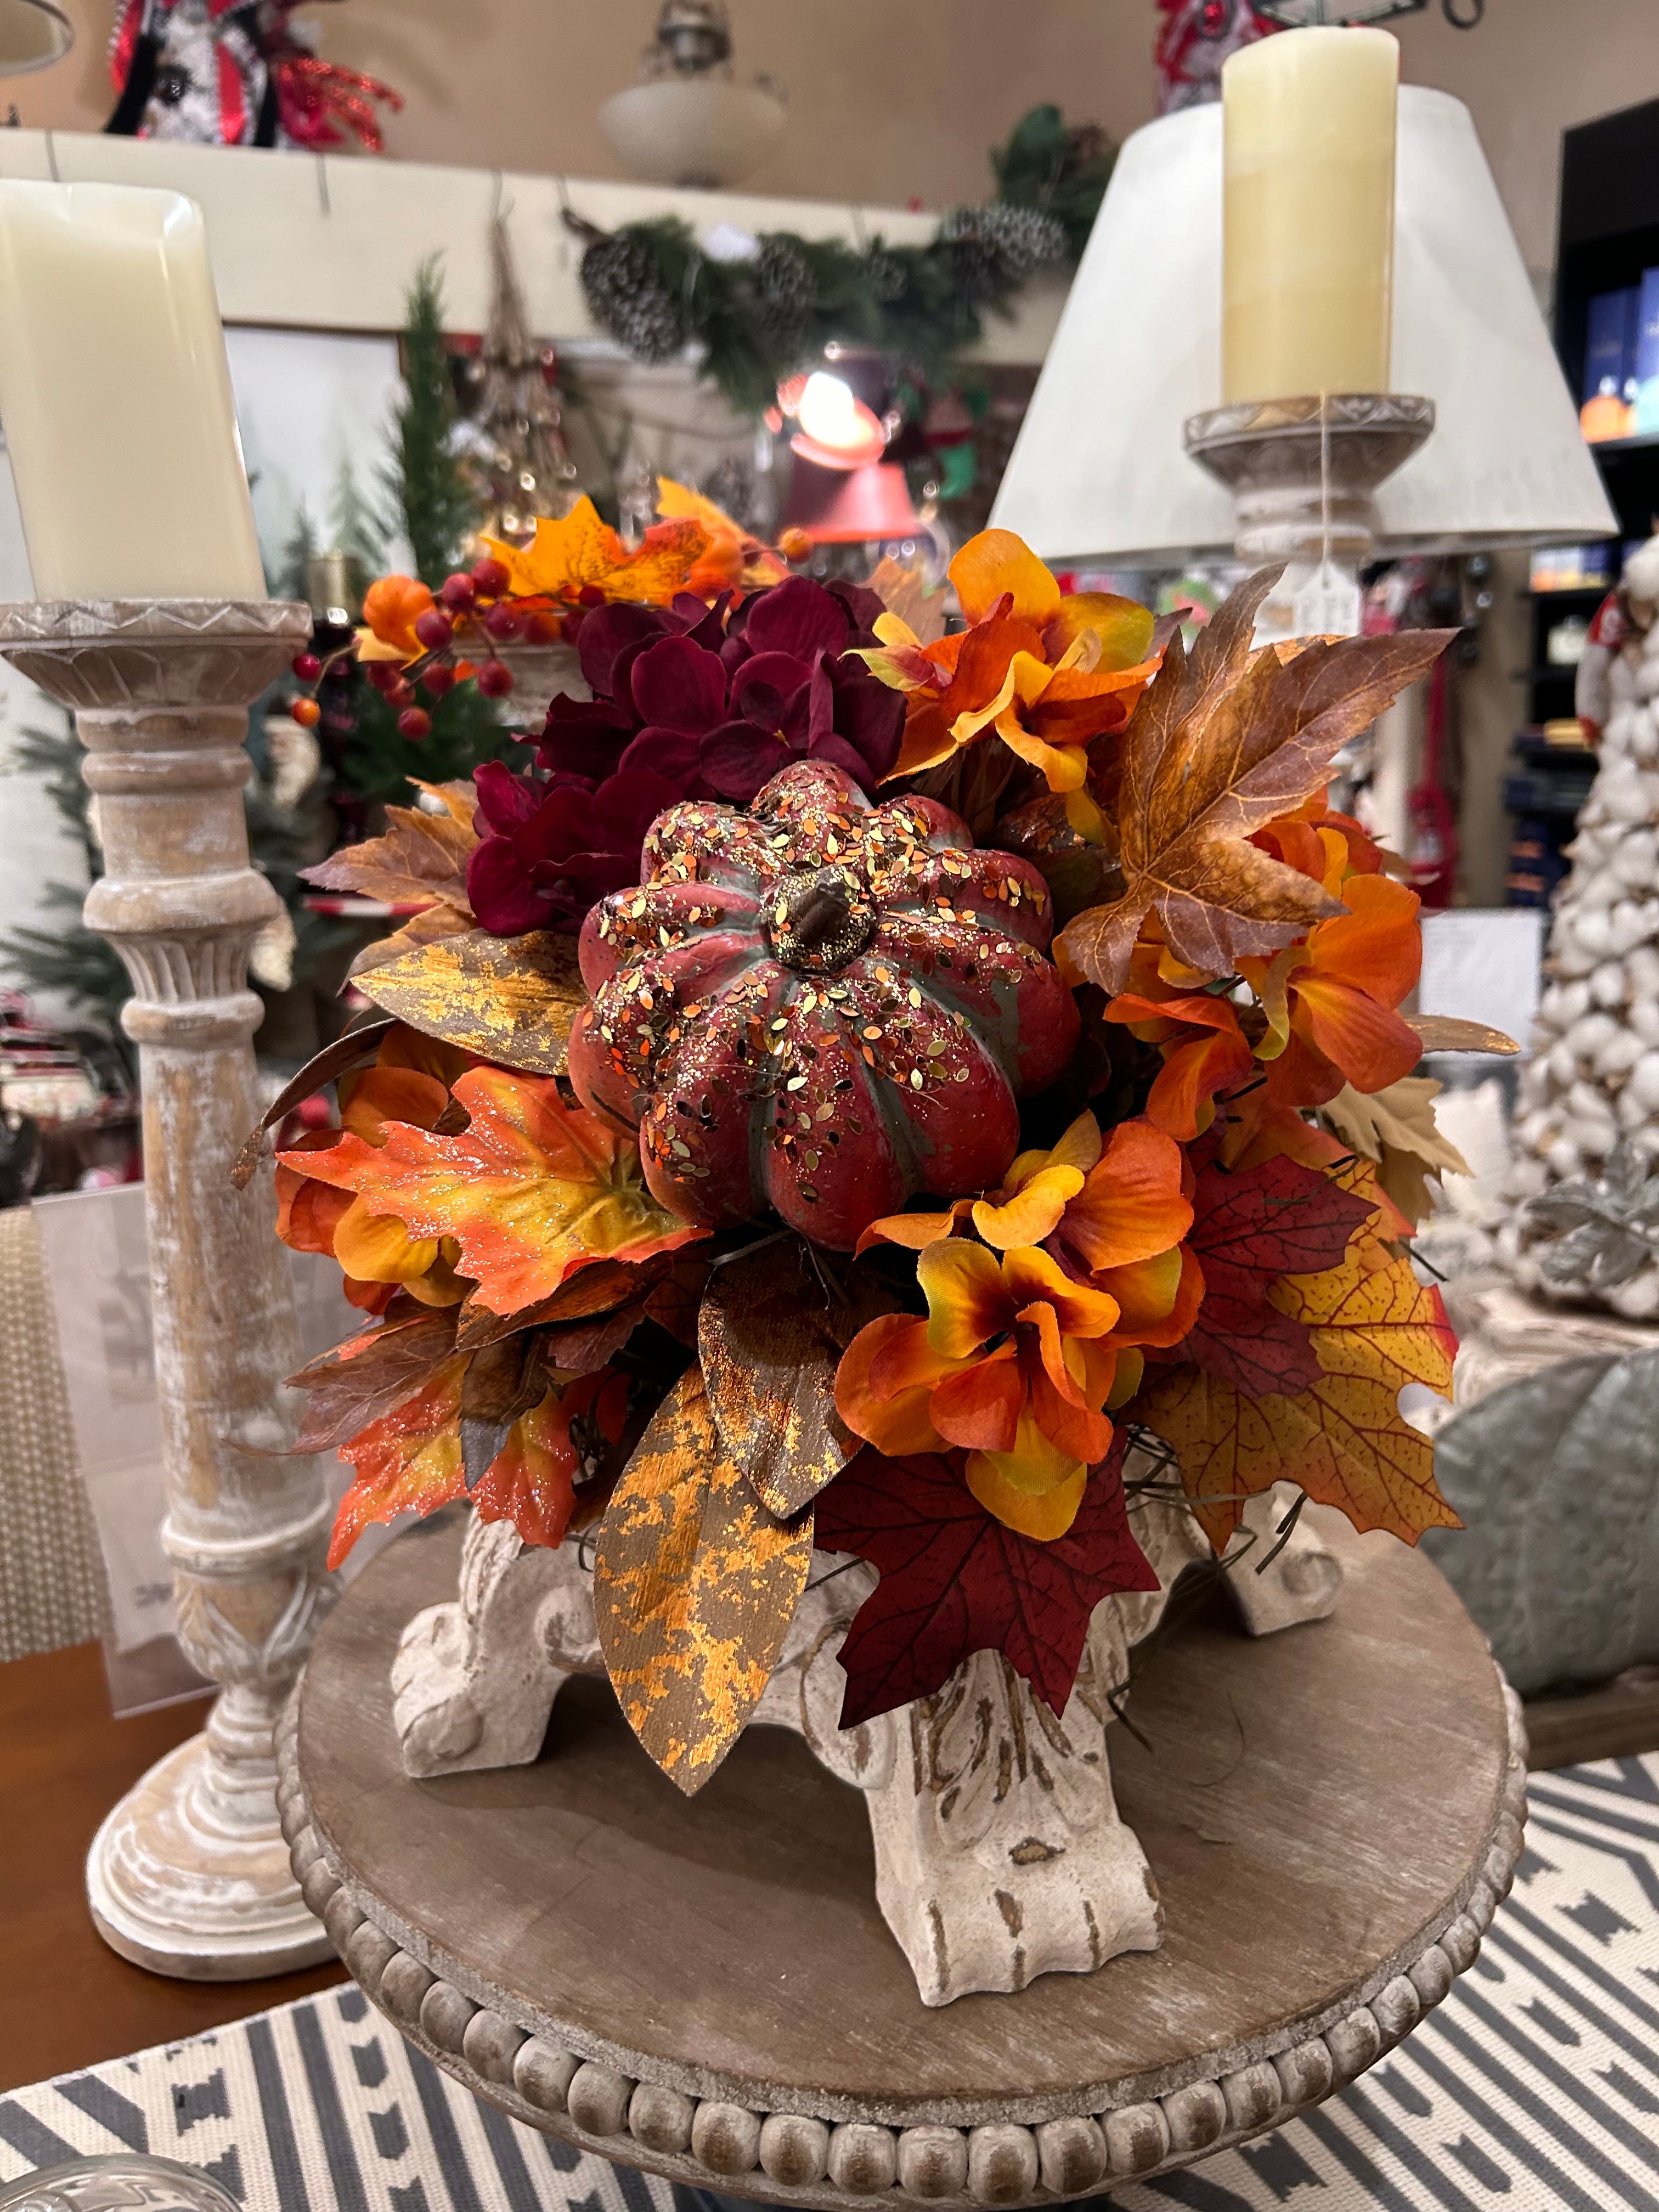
point(850, 506)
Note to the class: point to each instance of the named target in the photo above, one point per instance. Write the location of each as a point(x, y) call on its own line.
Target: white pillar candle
point(115, 398)
point(1307, 263)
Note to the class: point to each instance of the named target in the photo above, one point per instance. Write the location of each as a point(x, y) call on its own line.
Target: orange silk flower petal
point(979, 1408)
point(1031, 1277)
point(1131, 1206)
point(998, 563)
point(1045, 1515)
point(1369, 1043)
point(896, 1422)
point(1376, 946)
point(966, 1300)
point(1033, 1212)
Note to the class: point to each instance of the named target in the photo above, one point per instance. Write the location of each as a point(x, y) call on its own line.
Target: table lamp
point(1134, 453)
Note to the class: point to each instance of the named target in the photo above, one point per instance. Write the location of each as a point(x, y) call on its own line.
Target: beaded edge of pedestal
point(794, 2158)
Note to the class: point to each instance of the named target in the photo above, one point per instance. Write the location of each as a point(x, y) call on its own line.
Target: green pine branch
point(431, 496)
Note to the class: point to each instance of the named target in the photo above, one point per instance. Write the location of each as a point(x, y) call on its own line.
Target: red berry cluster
point(474, 599)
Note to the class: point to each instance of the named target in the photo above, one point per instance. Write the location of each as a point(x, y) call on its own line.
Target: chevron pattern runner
point(1534, 2085)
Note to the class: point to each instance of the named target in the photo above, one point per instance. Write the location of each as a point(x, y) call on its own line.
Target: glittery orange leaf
point(530, 1190)
point(408, 1461)
point(580, 552)
point(694, 1588)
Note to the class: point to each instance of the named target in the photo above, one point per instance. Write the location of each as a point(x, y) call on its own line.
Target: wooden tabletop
point(1312, 1803)
point(66, 2000)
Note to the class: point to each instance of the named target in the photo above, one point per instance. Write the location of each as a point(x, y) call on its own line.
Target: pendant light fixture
point(33, 33)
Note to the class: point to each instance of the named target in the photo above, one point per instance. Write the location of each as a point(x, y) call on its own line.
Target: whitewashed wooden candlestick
point(189, 1875)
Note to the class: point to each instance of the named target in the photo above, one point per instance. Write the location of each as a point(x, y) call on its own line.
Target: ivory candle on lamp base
point(115, 398)
point(1308, 226)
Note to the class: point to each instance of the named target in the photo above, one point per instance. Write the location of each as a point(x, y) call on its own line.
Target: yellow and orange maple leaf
point(1373, 1328)
point(530, 1190)
point(581, 552)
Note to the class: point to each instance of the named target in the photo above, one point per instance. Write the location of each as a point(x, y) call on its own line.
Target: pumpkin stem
point(822, 921)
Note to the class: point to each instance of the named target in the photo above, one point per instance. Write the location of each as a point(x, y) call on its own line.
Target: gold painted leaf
point(1444, 1033)
point(426, 927)
point(770, 1339)
point(511, 998)
point(695, 1586)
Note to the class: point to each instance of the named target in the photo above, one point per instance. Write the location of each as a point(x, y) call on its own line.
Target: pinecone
point(626, 299)
point(997, 244)
point(784, 288)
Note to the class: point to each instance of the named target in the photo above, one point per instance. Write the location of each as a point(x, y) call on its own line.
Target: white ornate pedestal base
point(999, 1851)
point(188, 1875)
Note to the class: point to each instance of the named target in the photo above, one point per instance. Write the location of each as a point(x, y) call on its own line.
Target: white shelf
point(310, 242)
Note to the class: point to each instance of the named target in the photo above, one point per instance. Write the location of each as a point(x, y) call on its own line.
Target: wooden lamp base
point(707, 1989)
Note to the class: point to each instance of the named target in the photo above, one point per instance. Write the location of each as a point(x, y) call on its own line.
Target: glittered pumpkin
point(820, 1005)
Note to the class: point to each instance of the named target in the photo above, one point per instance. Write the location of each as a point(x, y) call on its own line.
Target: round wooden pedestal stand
point(706, 1988)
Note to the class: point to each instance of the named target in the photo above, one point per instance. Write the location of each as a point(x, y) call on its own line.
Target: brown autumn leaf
point(1445, 1033)
point(344, 1394)
point(770, 1338)
point(426, 927)
point(510, 998)
point(354, 1050)
point(421, 856)
point(1395, 1128)
point(604, 1287)
point(695, 1586)
point(903, 590)
point(1221, 745)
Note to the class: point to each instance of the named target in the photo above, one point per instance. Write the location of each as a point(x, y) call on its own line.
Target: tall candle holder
point(188, 1875)
point(1303, 474)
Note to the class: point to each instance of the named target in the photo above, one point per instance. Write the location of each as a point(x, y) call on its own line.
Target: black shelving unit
point(1608, 235)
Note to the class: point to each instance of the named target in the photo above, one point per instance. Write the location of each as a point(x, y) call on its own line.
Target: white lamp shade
point(1099, 471)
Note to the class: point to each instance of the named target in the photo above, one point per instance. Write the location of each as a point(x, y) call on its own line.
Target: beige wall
point(895, 99)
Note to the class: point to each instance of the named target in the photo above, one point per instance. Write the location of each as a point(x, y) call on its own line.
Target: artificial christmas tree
point(523, 465)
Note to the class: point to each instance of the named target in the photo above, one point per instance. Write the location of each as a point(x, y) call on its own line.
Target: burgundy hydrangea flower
point(551, 849)
point(719, 699)
point(689, 701)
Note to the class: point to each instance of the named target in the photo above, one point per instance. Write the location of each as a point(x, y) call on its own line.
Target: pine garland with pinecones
point(760, 318)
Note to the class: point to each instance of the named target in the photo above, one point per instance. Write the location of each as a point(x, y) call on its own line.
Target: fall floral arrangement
point(890, 1092)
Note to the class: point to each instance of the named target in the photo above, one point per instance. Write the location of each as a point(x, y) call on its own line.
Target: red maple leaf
point(1248, 1230)
point(954, 1580)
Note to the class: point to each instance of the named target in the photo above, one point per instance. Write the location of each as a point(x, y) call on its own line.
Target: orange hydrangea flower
point(1045, 671)
point(1028, 1347)
point(409, 1083)
point(1330, 1002)
point(1013, 1365)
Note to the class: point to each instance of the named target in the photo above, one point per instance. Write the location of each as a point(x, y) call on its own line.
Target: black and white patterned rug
point(1535, 2085)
